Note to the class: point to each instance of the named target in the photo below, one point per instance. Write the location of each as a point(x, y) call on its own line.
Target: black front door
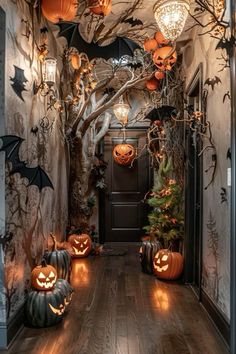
point(125, 211)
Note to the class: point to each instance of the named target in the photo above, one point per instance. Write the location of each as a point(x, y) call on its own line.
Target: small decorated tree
point(166, 220)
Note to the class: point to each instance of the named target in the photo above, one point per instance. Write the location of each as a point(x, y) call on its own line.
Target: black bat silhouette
point(120, 47)
point(135, 65)
point(19, 81)
point(161, 113)
point(223, 195)
point(212, 81)
point(36, 175)
point(226, 95)
point(226, 44)
point(228, 155)
point(133, 21)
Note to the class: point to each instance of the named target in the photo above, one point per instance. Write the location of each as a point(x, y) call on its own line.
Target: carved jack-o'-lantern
point(81, 245)
point(168, 265)
point(165, 58)
point(55, 10)
point(100, 7)
point(58, 310)
point(123, 154)
point(43, 277)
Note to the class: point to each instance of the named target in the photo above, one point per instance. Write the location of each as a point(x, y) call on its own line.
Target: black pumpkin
point(45, 308)
point(66, 290)
point(148, 250)
point(59, 259)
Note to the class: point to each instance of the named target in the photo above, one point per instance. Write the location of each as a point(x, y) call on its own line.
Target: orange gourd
point(57, 10)
point(161, 39)
point(81, 245)
point(159, 75)
point(150, 45)
point(152, 84)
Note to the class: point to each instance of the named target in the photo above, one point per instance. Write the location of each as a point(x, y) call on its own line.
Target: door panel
point(125, 211)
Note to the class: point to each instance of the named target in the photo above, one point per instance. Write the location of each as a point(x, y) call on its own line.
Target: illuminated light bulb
point(121, 111)
point(50, 65)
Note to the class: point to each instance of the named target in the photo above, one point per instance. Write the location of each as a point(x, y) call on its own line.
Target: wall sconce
point(48, 75)
point(121, 111)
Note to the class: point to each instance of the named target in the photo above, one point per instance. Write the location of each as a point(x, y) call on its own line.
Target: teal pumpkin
point(45, 308)
point(59, 259)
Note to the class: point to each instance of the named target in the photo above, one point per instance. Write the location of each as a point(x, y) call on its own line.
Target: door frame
point(190, 276)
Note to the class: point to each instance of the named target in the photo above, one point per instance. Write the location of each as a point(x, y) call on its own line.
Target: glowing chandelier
point(171, 16)
point(121, 111)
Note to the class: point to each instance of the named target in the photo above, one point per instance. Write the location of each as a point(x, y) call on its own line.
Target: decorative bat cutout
point(212, 81)
point(226, 44)
point(120, 47)
point(133, 21)
point(226, 95)
point(36, 175)
point(228, 155)
point(18, 82)
point(161, 113)
point(223, 195)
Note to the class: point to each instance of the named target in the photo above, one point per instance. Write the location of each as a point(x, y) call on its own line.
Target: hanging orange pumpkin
point(100, 7)
point(165, 58)
point(168, 265)
point(124, 154)
point(159, 75)
point(152, 84)
point(57, 10)
point(75, 60)
point(161, 39)
point(81, 245)
point(44, 276)
point(150, 44)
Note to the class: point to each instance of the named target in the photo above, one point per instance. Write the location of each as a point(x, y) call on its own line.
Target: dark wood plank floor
point(119, 310)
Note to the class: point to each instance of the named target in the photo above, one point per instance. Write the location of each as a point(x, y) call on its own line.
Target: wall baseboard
point(222, 325)
point(15, 325)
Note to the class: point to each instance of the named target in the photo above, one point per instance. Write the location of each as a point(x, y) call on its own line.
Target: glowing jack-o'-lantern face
point(58, 311)
point(43, 277)
point(165, 58)
point(124, 154)
point(81, 245)
point(168, 265)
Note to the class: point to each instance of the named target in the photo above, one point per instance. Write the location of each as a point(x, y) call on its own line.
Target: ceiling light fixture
point(171, 16)
point(121, 111)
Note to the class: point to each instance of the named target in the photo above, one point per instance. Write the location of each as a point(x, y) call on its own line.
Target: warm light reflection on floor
point(161, 299)
point(80, 273)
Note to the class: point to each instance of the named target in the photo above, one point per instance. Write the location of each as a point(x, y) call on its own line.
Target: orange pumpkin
point(100, 7)
point(161, 39)
point(81, 245)
point(75, 60)
point(43, 277)
point(152, 84)
point(159, 75)
point(150, 45)
point(165, 58)
point(56, 10)
point(168, 265)
point(124, 154)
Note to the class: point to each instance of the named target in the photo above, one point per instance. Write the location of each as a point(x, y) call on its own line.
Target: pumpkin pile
point(47, 303)
point(164, 57)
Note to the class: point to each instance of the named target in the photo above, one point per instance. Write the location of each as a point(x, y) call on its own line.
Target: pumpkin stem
point(44, 263)
point(54, 246)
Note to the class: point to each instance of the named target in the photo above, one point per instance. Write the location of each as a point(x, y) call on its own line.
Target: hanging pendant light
point(121, 111)
point(171, 16)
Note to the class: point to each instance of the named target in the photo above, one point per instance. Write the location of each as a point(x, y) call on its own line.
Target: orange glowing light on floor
point(80, 273)
point(161, 300)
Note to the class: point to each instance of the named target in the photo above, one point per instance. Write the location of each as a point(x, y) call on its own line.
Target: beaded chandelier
point(171, 16)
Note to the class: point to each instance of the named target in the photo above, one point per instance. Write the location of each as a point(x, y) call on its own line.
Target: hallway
point(117, 309)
